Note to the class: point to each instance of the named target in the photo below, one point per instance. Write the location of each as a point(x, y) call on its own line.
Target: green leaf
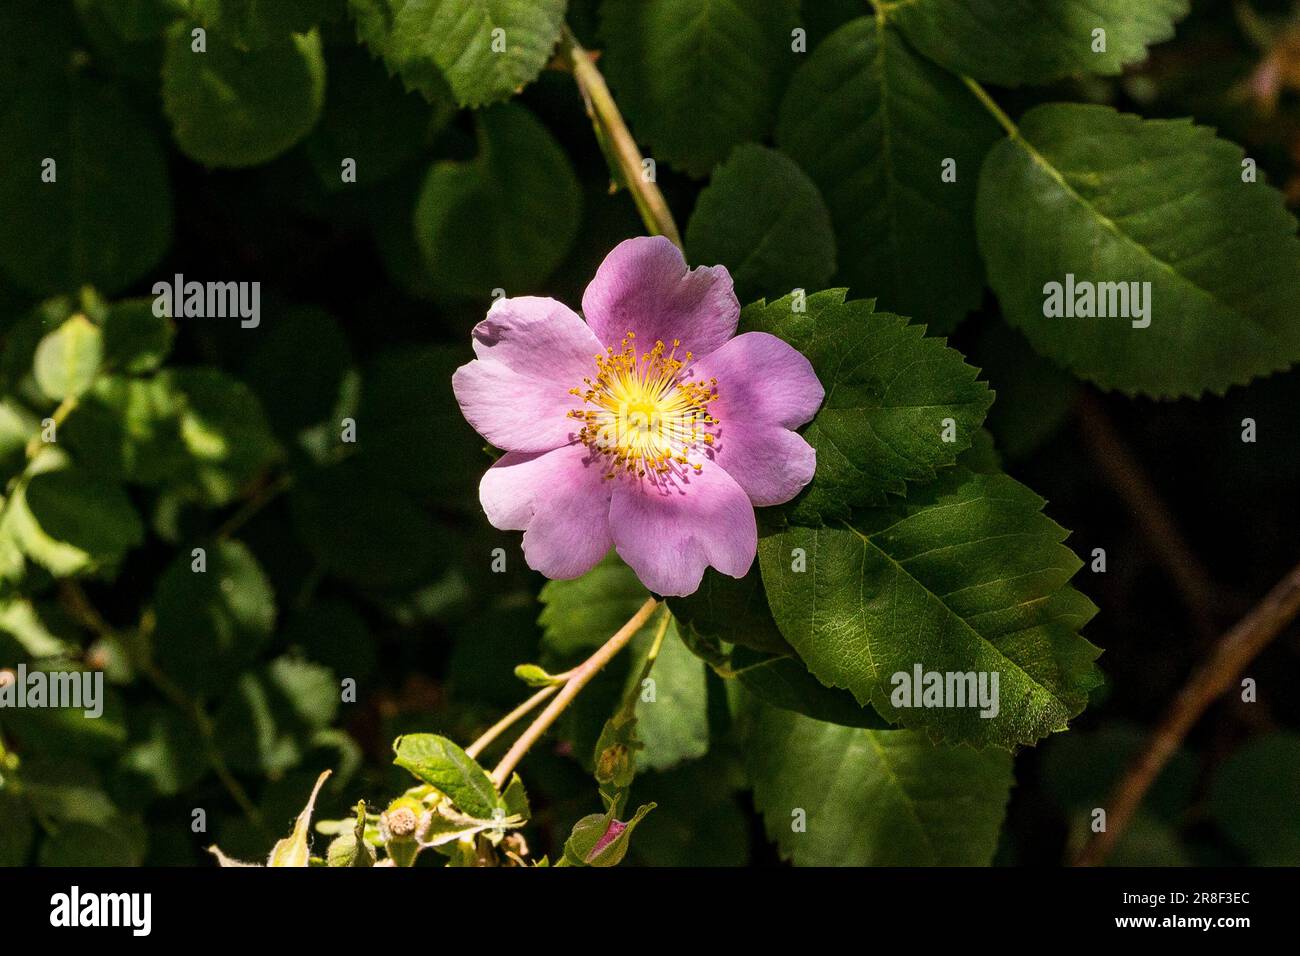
point(293, 849)
point(584, 613)
point(311, 394)
point(230, 107)
point(459, 41)
point(764, 220)
point(783, 680)
point(107, 218)
point(381, 541)
point(270, 718)
point(19, 619)
point(68, 359)
point(504, 220)
point(1254, 797)
point(224, 431)
point(728, 59)
point(842, 796)
point(368, 118)
point(966, 576)
point(889, 391)
point(253, 24)
point(210, 624)
point(128, 429)
point(873, 124)
point(733, 610)
point(446, 767)
point(418, 438)
point(1106, 197)
point(1010, 42)
point(136, 339)
point(673, 725)
point(137, 20)
point(162, 754)
point(601, 840)
point(71, 522)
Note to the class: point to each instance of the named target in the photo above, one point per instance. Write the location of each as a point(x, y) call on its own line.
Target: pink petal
point(643, 286)
point(772, 464)
point(669, 533)
point(531, 351)
point(765, 388)
point(560, 500)
point(762, 380)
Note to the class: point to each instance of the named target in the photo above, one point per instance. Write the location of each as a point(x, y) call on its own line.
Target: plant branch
point(1216, 674)
point(578, 679)
point(1130, 481)
point(505, 723)
point(76, 602)
point(616, 140)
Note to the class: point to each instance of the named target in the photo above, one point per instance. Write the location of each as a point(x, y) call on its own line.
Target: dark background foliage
point(379, 562)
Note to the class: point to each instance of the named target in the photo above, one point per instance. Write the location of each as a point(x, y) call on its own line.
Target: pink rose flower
point(647, 428)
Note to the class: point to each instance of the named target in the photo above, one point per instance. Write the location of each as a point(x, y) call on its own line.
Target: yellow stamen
point(641, 413)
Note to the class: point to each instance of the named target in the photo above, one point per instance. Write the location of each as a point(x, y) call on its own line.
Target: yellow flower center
point(640, 414)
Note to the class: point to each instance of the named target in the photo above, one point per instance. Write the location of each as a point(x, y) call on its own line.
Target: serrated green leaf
point(69, 358)
point(763, 219)
point(231, 107)
point(445, 766)
point(1010, 42)
point(842, 796)
point(211, 623)
point(966, 576)
point(1106, 197)
point(727, 58)
point(504, 220)
point(107, 217)
point(784, 681)
point(162, 754)
point(873, 124)
point(457, 42)
point(889, 391)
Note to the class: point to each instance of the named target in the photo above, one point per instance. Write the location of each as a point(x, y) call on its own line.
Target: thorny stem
point(85, 613)
point(616, 140)
point(578, 679)
point(1217, 673)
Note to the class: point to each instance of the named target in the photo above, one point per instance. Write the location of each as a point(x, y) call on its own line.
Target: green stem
point(619, 146)
point(981, 94)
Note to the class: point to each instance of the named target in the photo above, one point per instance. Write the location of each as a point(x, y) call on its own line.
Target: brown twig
point(1216, 674)
point(620, 148)
point(1130, 481)
point(578, 679)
